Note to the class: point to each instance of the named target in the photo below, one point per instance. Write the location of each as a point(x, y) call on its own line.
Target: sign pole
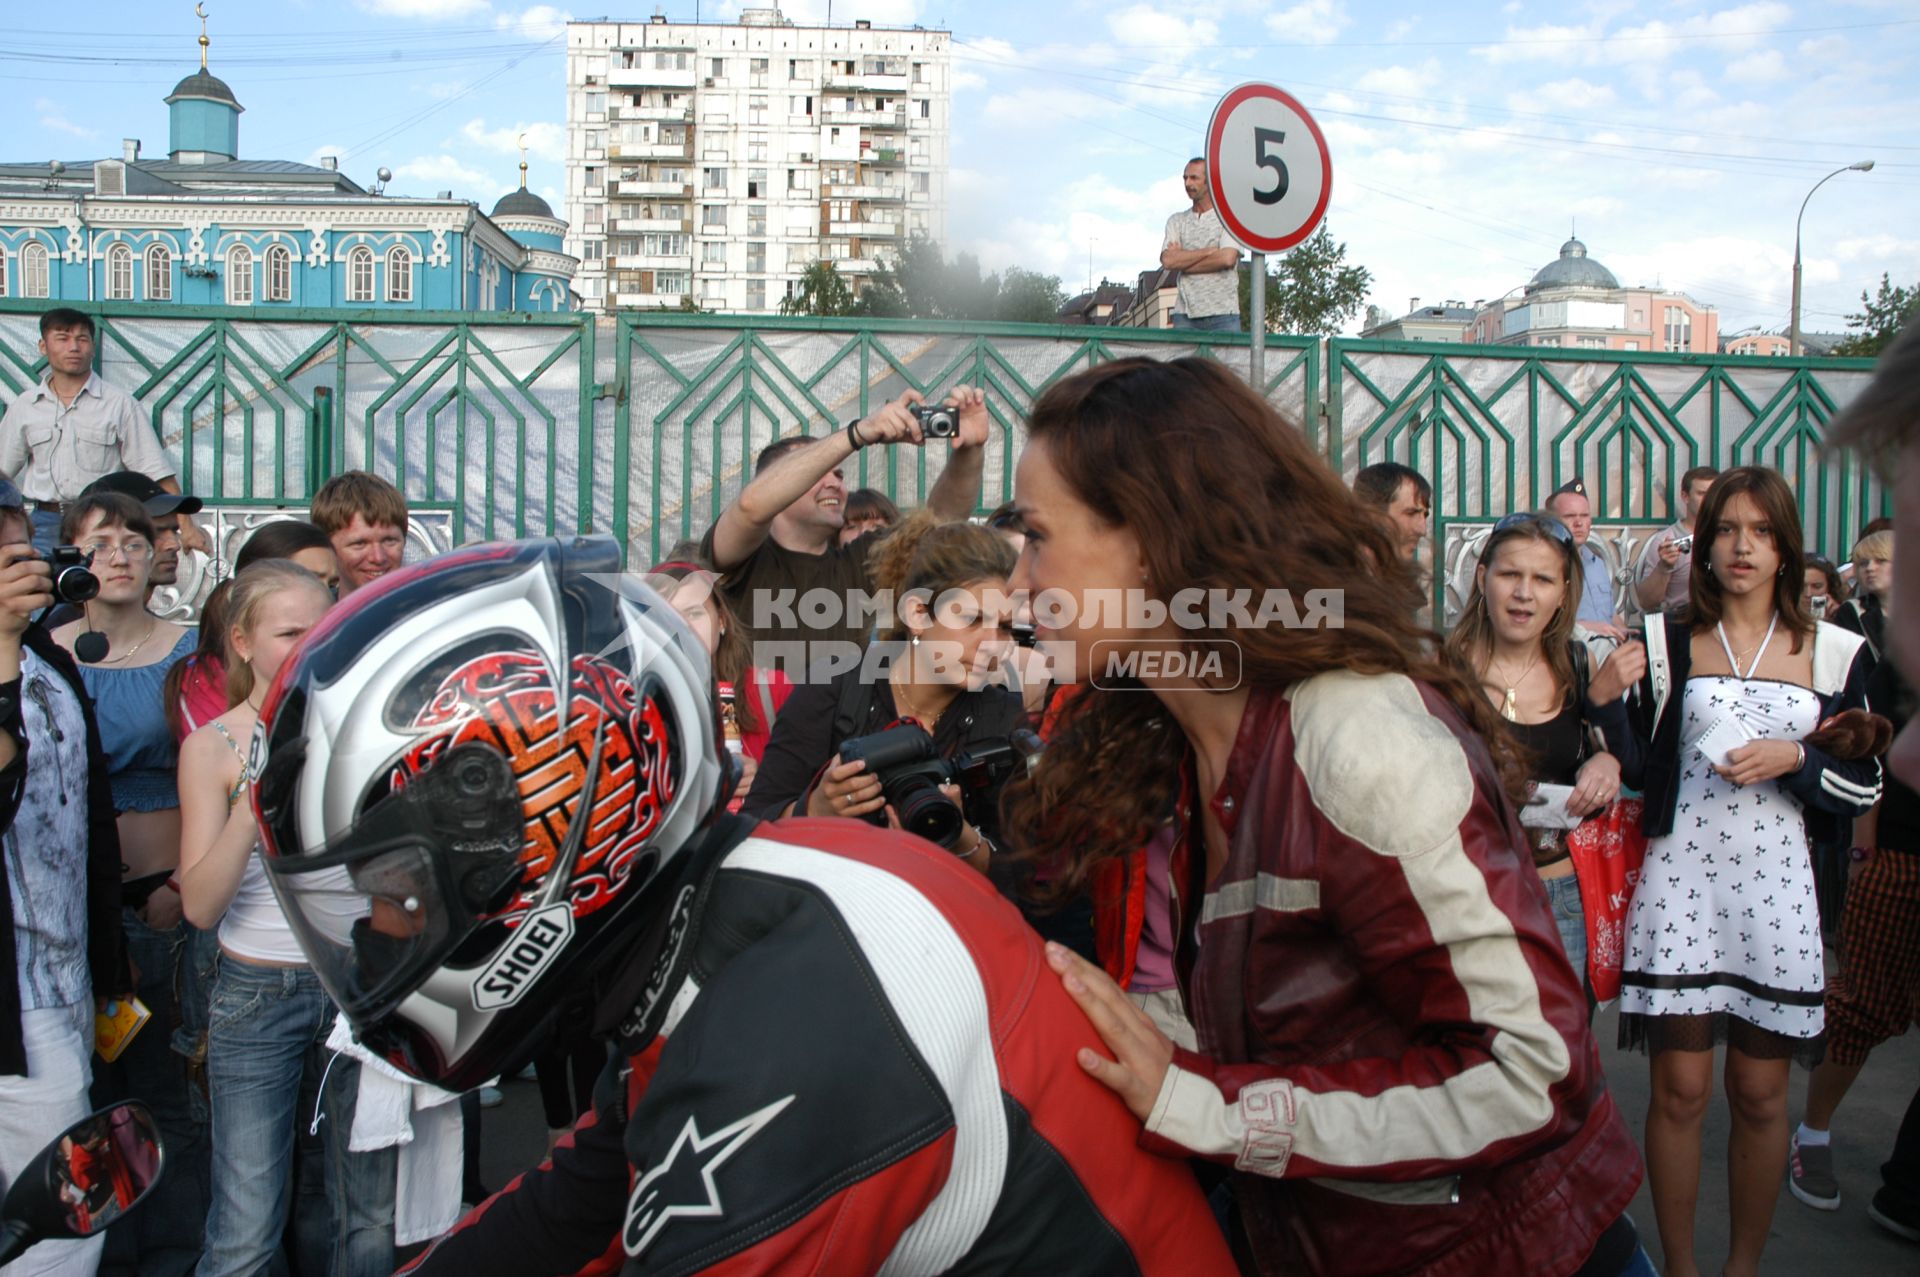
point(1271, 178)
point(1257, 309)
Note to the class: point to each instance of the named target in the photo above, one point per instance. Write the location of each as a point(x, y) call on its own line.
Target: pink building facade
point(1575, 303)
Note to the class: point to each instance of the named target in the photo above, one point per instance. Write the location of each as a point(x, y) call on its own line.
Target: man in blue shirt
point(1597, 615)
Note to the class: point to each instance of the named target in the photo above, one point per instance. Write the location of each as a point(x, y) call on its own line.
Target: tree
point(922, 284)
point(1880, 319)
point(1313, 291)
point(1028, 297)
point(821, 290)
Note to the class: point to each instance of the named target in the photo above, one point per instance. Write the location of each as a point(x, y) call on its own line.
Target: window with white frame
point(159, 273)
point(756, 294)
point(35, 276)
point(714, 253)
point(3, 273)
point(360, 274)
point(119, 273)
point(1679, 326)
point(239, 276)
point(670, 283)
point(399, 273)
point(279, 273)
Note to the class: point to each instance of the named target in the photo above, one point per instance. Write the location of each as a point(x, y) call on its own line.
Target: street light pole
point(1863, 166)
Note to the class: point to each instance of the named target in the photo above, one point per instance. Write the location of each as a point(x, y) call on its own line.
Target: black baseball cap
point(157, 500)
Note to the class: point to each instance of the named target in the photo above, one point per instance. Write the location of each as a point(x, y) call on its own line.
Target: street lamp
point(1864, 166)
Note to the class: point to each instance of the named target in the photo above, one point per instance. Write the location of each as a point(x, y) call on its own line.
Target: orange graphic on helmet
point(507, 700)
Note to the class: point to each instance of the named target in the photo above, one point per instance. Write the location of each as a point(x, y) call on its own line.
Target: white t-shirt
point(1210, 292)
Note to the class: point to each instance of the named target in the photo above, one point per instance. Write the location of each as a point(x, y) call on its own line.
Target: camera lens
point(75, 585)
point(927, 813)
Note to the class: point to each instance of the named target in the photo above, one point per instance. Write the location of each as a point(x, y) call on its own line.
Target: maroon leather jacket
point(1394, 1050)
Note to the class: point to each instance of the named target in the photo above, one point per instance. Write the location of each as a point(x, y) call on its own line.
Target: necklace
point(1726, 646)
point(152, 627)
point(929, 721)
point(1510, 709)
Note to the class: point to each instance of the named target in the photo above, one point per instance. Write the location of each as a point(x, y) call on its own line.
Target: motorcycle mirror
point(99, 1169)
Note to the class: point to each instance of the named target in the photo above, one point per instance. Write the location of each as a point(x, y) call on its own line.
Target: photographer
point(60, 911)
point(938, 657)
point(781, 534)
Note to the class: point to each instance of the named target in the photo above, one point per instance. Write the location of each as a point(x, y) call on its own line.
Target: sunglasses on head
point(1545, 522)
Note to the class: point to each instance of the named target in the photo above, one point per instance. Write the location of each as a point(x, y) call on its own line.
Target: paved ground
point(1805, 1243)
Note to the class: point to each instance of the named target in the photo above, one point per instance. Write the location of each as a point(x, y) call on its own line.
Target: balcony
point(651, 78)
point(638, 225)
point(671, 114)
point(855, 265)
point(868, 230)
point(862, 192)
point(866, 119)
point(683, 190)
point(883, 156)
point(652, 261)
point(647, 301)
point(651, 150)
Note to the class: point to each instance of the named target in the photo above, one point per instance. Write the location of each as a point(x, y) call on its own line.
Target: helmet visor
point(383, 904)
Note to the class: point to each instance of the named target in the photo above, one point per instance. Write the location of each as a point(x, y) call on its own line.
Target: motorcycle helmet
point(466, 778)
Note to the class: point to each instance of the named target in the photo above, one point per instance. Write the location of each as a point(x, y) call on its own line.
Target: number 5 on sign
point(1268, 166)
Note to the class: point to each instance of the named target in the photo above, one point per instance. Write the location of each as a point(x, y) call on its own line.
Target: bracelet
point(853, 435)
point(1799, 757)
point(980, 840)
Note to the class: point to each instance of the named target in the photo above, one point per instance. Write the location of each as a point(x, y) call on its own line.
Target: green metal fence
point(647, 425)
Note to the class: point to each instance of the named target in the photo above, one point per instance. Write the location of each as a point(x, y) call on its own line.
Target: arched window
point(35, 280)
point(119, 273)
point(159, 273)
point(239, 276)
point(360, 274)
point(399, 274)
point(279, 274)
point(3, 272)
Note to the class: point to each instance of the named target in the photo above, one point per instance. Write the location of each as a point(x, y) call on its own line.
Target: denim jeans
point(163, 1240)
point(1563, 895)
point(46, 529)
point(267, 1029)
point(1227, 323)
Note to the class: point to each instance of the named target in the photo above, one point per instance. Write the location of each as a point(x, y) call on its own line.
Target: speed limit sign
point(1268, 168)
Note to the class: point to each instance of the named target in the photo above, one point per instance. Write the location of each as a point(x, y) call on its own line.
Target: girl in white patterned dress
point(1724, 935)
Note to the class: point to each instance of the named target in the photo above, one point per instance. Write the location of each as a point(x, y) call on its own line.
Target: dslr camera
point(72, 571)
point(911, 771)
point(936, 421)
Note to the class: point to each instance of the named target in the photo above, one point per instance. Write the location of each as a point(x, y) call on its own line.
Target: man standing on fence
point(74, 428)
point(1197, 246)
point(777, 546)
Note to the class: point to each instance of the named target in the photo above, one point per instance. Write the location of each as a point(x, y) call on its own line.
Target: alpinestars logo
point(682, 1186)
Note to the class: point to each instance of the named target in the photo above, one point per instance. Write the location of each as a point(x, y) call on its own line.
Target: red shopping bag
point(1607, 849)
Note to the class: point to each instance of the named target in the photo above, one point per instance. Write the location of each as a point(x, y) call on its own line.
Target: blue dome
point(1573, 269)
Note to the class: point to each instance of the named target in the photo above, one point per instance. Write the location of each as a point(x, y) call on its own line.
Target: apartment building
point(716, 162)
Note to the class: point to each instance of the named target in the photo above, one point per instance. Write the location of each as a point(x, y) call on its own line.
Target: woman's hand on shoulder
point(1142, 1054)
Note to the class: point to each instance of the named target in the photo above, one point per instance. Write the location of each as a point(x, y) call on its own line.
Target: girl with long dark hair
point(1515, 636)
point(1723, 940)
point(1385, 1020)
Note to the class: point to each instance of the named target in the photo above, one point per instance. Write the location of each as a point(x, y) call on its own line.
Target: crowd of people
point(1290, 967)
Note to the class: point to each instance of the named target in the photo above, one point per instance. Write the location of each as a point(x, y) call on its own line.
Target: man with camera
point(778, 541)
point(1666, 564)
point(73, 428)
point(60, 934)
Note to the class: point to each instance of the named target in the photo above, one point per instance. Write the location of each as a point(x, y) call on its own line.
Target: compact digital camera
point(72, 571)
point(936, 422)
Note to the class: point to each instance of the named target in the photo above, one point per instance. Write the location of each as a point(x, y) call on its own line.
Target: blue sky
point(1465, 139)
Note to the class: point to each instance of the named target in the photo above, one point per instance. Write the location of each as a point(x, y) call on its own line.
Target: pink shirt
point(1153, 962)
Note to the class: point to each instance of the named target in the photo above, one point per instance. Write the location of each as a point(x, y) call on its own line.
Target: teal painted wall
point(195, 124)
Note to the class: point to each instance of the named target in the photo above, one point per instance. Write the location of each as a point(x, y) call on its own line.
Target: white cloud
point(544, 139)
point(541, 22)
point(1562, 95)
point(1726, 31)
point(1145, 27)
point(431, 10)
point(1762, 67)
point(1400, 81)
point(1310, 21)
point(51, 118)
point(444, 172)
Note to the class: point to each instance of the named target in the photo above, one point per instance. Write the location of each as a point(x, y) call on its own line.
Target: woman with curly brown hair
point(1386, 1024)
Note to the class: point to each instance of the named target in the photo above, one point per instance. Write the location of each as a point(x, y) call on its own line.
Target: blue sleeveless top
point(141, 753)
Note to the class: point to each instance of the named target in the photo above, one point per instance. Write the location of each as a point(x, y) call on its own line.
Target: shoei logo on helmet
point(612, 738)
point(514, 970)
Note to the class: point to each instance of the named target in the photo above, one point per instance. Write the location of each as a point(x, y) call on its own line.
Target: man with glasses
point(72, 428)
